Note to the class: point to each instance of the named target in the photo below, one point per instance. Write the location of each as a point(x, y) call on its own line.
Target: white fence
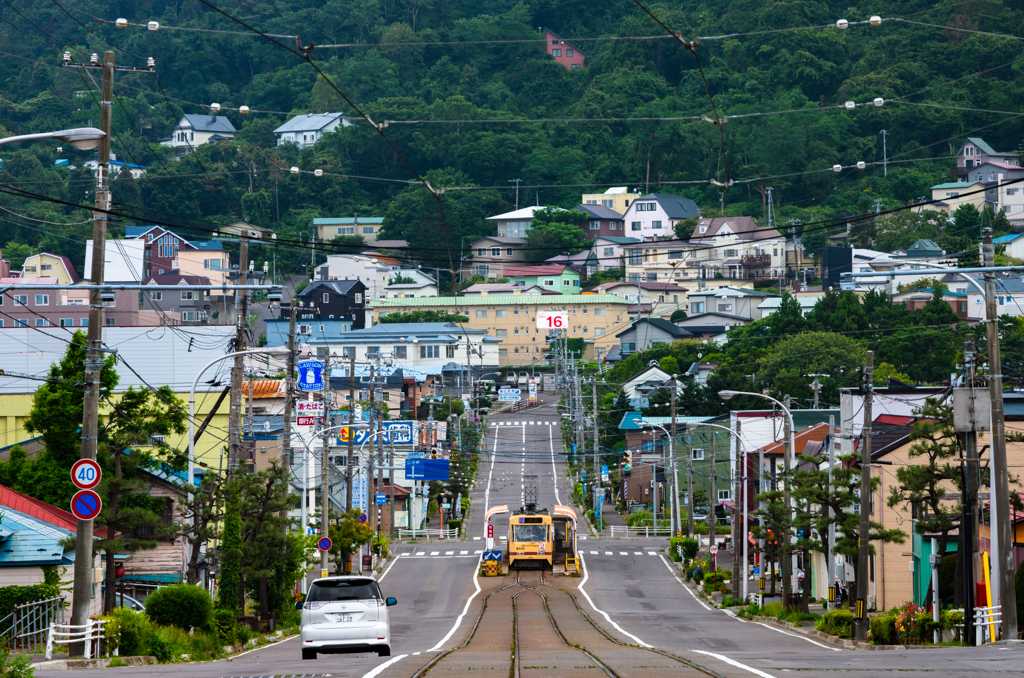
point(986, 619)
point(428, 534)
point(64, 634)
point(645, 531)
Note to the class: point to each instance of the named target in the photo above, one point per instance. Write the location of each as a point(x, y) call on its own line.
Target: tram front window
point(531, 533)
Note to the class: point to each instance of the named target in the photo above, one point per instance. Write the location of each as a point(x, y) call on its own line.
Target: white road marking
point(377, 671)
point(554, 470)
point(638, 553)
point(722, 657)
point(435, 553)
point(593, 553)
point(458, 620)
point(389, 567)
point(404, 554)
point(586, 575)
point(462, 553)
point(478, 551)
point(787, 633)
point(233, 657)
point(651, 553)
point(608, 553)
point(447, 553)
point(625, 553)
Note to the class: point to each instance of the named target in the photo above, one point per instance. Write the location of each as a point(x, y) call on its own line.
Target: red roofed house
point(548, 276)
point(563, 51)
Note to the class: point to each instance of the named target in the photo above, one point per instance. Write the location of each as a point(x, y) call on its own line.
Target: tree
point(786, 365)
point(199, 520)
point(774, 522)
point(56, 416)
point(129, 512)
point(669, 364)
point(547, 240)
point(347, 535)
point(684, 229)
point(400, 279)
point(428, 316)
point(678, 314)
point(924, 284)
point(789, 318)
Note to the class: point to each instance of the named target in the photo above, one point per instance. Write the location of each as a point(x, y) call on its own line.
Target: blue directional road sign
point(381, 499)
point(491, 555)
point(426, 469)
point(311, 375)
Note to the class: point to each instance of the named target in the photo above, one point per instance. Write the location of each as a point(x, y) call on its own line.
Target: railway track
point(531, 628)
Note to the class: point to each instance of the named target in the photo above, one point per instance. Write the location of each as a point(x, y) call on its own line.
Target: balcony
point(756, 260)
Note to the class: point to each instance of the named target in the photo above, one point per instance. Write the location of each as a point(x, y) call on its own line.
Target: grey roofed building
point(663, 325)
point(306, 130)
point(217, 124)
point(647, 332)
point(744, 228)
point(675, 206)
point(599, 212)
point(924, 249)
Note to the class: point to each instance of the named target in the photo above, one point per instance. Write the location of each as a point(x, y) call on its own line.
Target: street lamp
point(82, 138)
point(675, 520)
point(760, 470)
point(787, 565)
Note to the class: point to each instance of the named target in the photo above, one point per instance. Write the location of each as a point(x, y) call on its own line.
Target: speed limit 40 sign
point(552, 320)
point(86, 474)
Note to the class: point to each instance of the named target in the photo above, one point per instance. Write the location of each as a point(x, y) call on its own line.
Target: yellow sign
point(343, 435)
point(323, 573)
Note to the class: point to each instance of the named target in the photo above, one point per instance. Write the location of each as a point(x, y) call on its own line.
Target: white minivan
point(345, 614)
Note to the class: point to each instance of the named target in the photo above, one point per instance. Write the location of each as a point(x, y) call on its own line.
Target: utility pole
point(371, 504)
point(94, 354)
point(351, 429)
point(787, 563)
point(712, 498)
point(830, 549)
point(970, 516)
point(1002, 541)
point(689, 486)
point(739, 529)
point(325, 450)
point(674, 523)
point(597, 446)
point(885, 153)
point(241, 310)
point(286, 438)
point(516, 182)
point(860, 617)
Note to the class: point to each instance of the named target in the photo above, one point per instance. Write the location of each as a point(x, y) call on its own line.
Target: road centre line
point(722, 657)
point(586, 575)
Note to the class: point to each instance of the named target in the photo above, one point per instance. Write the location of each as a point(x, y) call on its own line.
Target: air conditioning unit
point(647, 490)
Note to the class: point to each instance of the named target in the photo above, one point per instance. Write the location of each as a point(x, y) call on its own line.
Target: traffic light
point(627, 462)
point(433, 453)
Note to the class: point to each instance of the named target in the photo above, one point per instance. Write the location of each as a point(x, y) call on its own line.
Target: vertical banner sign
point(533, 390)
point(311, 375)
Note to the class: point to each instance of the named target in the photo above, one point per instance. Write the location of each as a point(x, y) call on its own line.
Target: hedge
point(883, 630)
point(183, 605)
point(12, 596)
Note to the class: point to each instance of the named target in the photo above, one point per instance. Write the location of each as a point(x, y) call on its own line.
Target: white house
point(653, 378)
point(654, 216)
point(195, 130)
point(514, 224)
point(609, 253)
point(306, 130)
point(738, 248)
point(125, 260)
point(771, 304)
point(376, 272)
point(1013, 244)
point(407, 290)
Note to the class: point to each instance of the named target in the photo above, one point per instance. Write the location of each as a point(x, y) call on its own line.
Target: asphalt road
point(628, 587)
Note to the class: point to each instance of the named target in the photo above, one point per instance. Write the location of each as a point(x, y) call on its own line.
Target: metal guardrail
point(63, 634)
point(25, 629)
point(985, 621)
point(427, 534)
point(645, 531)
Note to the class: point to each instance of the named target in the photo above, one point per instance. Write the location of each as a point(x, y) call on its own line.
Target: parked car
point(121, 600)
point(345, 614)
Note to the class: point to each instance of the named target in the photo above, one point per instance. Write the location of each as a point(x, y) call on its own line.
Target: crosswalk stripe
point(405, 554)
point(593, 553)
point(478, 551)
point(462, 553)
point(651, 553)
point(608, 553)
point(623, 553)
point(638, 553)
point(435, 553)
point(449, 553)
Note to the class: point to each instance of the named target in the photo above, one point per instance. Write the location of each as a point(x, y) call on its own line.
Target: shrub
point(198, 645)
point(773, 610)
point(133, 631)
point(883, 630)
point(159, 648)
point(838, 622)
point(454, 524)
point(690, 546)
point(225, 623)
point(182, 605)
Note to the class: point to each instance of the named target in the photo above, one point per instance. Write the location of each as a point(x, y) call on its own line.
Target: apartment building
point(512, 318)
point(617, 198)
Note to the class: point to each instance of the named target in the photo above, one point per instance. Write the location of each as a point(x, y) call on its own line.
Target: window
point(584, 329)
point(495, 251)
point(349, 352)
point(21, 300)
point(327, 297)
point(400, 352)
point(449, 351)
point(481, 251)
point(501, 333)
point(565, 283)
point(635, 225)
point(609, 251)
point(83, 322)
point(598, 331)
point(1011, 191)
point(600, 311)
point(430, 351)
point(1, 322)
point(42, 300)
point(186, 316)
point(156, 296)
point(515, 331)
point(697, 454)
point(187, 295)
point(697, 307)
point(67, 322)
point(652, 277)
point(548, 283)
point(702, 229)
point(42, 322)
point(969, 150)
point(371, 351)
point(359, 297)
point(111, 321)
point(501, 313)
point(568, 51)
point(516, 350)
point(502, 352)
point(1006, 209)
point(515, 312)
point(775, 251)
point(508, 251)
point(607, 203)
point(30, 269)
point(655, 224)
point(732, 253)
point(636, 257)
point(46, 267)
point(483, 270)
point(368, 230)
point(724, 495)
point(556, 52)
point(628, 347)
point(595, 225)
point(481, 314)
point(725, 308)
point(19, 322)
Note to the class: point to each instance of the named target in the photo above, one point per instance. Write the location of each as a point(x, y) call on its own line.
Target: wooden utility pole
point(787, 562)
point(235, 412)
point(860, 617)
point(350, 459)
point(93, 354)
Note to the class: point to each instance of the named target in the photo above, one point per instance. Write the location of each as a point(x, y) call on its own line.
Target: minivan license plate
point(342, 617)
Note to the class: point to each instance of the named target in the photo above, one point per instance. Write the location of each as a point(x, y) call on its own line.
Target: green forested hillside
point(394, 81)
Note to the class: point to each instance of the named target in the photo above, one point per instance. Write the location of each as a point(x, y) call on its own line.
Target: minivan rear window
point(343, 589)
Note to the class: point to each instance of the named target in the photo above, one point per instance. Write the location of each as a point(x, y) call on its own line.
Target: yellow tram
point(539, 539)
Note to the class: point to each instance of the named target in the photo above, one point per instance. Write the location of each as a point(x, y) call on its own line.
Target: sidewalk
point(609, 517)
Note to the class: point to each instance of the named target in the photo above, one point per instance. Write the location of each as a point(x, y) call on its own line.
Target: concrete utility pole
point(516, 182)
point(787, 563)
point(674, 523)
point(860, 617)
point(712, 497)
point(350, 460)
point(971, 514)
point(286, 437)
point(885, 153)
point(235, 413)
point(325, 451)
point(689, 487)
point(1002, 541)
point(371, 504)
point(830, 549)
point(738, 528)
point(94, 354)
point(597, 445)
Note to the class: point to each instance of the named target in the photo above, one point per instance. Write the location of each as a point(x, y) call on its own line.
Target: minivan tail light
point(371, 602)
point(314, 605)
